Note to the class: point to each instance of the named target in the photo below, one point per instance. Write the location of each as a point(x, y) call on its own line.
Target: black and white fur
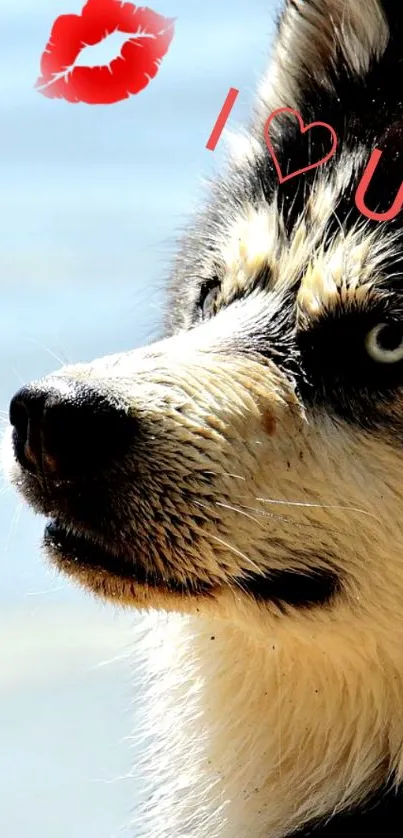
point(244, 474)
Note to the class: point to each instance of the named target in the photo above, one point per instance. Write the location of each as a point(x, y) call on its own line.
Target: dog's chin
point(113, 576)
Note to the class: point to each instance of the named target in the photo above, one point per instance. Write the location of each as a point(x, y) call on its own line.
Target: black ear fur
point(334, 61)
point(317, 41)
point(393, 10)
point(323, 44)
point(339, 62)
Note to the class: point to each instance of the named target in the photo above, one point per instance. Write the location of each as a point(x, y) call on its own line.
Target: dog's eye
point(208, 297)
point(384, 343)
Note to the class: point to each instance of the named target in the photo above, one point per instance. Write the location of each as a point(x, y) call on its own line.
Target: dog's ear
point(338, 62)
point(320, 43)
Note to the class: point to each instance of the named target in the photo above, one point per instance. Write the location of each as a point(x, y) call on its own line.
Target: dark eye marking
point(209, 292)
point(353, 362)
point(356, 347)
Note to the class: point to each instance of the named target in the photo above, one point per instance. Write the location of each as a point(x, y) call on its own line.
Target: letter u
point(362, 190)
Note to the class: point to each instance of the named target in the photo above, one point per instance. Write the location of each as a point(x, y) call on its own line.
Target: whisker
point(233, 508)
point(50, 352)
point(318, 506)
point(261, 512)
point(272, 515)
point(19, 377)
point(224, 474)
point(13, 525)
point(307, 504)
point(235, 551)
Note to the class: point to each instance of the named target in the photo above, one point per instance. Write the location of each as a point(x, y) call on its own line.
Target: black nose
point(65, 429)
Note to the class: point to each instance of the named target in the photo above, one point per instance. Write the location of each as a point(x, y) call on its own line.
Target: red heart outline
point(304, 129)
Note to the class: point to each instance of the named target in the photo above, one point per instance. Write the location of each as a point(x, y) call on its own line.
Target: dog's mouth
point(77, 553)
point(109, 564)
point(80, 555)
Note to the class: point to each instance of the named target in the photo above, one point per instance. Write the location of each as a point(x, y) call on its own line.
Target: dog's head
point(252, 459)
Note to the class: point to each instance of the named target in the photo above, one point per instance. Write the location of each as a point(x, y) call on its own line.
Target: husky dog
point(244, 474)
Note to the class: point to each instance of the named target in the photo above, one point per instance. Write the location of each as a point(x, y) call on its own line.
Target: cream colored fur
point(264, 717)
point(267, 720)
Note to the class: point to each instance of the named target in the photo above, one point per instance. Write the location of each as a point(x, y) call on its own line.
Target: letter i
point(222, 118)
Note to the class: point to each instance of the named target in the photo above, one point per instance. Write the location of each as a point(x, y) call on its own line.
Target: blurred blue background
point(92, 198)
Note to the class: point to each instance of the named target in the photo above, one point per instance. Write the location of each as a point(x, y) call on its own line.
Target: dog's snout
point(66, 429)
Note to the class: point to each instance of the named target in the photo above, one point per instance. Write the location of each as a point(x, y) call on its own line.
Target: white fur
point(263, 717)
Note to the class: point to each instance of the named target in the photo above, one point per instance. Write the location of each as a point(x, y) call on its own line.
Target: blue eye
point(384, 343)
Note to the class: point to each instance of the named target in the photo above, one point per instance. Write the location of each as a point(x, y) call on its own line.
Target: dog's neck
point(270, 730)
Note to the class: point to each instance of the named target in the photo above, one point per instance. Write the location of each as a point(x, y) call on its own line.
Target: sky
point(92, 201)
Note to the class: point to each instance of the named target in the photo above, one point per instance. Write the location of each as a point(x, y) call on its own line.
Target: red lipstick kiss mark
point(282, 178)
point(149, 38)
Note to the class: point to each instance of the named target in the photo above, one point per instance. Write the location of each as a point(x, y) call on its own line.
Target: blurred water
point(92, 198)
